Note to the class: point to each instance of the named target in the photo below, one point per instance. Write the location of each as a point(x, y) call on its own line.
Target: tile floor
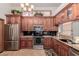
point(24, 52)
point(38, 47)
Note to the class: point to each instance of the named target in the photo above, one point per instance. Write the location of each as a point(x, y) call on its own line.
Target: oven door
point(38, 40)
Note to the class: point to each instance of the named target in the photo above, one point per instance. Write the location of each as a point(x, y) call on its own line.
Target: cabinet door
point(51, 24)
point(64, 50)
point(40, 20)
point(29, 43)
point(47, 24)
point(73, 12)
point(35, 21)
point(13, 19)
point(47, 42)
point(30, 24)
point(17, 19)
point(23, 44)
point(8, 20)
point(44, 24)
point(56, 20)
point(52, 44)
point(24, 24)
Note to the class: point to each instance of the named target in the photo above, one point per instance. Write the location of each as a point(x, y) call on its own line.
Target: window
point(69, 12)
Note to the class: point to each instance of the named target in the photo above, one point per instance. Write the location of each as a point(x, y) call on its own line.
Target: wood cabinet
point(73, 11)
point(13, 19)
point(38, 20)
point(68, 13)
point(51, 24)
point(30, 23)
point(1, 35)
point(61, 17)
point(23, 44)
point(26, 42)
point(44, 24)
point(27, 22)
point(47, 23)
point(30, 42)
point(24, 24)
point(35, 21)
point(47, 42)
point(63, 50)
point(60, 48)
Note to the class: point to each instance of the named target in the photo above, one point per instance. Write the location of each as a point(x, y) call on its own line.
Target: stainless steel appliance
point(38, 30)
point(38, 40)
point(12, 36)
point(38, 33)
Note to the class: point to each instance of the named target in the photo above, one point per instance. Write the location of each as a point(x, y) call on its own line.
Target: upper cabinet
point(73, 11)
point(13, 19)
point(68, 13)
point(61, 17)
point(27, 22)
point(30, 23)
point(47, 24)
point(24, 24)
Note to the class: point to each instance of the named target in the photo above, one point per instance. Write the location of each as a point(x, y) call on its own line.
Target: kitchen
point(40, 31)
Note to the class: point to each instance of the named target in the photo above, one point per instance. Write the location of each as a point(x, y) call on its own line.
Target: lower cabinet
point(60, 48)
point(26, 43)
point(23, 44)
point(29, 43)
point(47, 42)
point(64, 50)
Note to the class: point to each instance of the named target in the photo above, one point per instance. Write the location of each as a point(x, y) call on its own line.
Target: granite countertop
point(25, 36)
point(75, 46)
point(33, 36)
point(47, 36)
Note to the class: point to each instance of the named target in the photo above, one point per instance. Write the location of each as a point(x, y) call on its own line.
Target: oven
point(38, 34)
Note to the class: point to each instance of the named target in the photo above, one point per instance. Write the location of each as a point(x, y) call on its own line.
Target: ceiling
point(40, 4)
point(46, 4)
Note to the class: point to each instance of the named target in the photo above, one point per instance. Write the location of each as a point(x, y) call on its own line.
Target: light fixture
point(22, 5)
point(27, 4)
point(24, 9)
point(32, 6)
point(27, 7)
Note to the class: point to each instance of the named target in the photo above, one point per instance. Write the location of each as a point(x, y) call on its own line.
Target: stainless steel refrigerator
point(12, 32)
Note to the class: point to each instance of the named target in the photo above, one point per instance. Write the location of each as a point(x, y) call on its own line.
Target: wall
point(60, 8)
point(4, 9)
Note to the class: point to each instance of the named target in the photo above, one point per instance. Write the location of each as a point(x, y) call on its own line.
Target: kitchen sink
point(67, 41)
point(64, 40)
